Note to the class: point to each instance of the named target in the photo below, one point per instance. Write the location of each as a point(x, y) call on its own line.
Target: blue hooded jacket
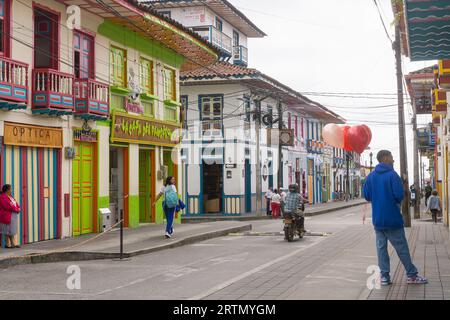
point(384, 189)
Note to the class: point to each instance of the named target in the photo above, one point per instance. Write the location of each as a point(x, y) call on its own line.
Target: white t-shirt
point(167, 188)
point(276, 198)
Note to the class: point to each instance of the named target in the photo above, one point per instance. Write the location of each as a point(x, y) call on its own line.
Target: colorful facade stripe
point(33, 174)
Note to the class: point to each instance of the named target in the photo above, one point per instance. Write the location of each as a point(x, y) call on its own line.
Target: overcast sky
point(334, 46)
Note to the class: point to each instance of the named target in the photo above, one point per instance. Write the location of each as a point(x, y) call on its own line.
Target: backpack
point(171, 198)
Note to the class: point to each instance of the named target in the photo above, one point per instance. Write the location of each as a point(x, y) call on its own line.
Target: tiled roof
point(219, 70)
point(426, 70)
point(224, 72)
point(221, 7)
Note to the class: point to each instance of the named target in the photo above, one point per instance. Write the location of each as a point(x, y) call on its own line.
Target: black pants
point(434, 213)
point(268, 209)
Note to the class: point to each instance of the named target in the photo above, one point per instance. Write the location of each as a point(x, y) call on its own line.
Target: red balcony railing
point(91, 98)
point(13, 80)
point(52, 92)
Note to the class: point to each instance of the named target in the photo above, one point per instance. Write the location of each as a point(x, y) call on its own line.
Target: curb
point(311, 214)
point(192, 220)
point(91, 256)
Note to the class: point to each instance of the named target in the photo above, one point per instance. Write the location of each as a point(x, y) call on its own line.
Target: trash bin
point(106, 218)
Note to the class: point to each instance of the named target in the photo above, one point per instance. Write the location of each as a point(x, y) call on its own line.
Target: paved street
point(235, 267)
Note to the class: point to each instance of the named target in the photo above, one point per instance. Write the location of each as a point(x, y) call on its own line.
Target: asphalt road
point(232, 267)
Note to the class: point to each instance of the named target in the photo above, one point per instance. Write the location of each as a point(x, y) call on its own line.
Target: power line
point(382, 21)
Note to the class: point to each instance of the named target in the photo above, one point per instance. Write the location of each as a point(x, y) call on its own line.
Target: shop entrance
point(146, 186)
point(34, 174)
point(212, 188)
point(84, 204)
point(118, 183)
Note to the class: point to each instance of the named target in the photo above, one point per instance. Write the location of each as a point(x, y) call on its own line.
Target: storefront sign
point(85, 135)
point(134, 107)
point(142, 130)
point(32, 136)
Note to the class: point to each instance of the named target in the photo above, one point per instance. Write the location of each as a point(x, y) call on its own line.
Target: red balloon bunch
point(351, 138)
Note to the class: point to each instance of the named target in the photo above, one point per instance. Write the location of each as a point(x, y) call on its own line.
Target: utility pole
point(416, 164)
point(347, 183)
point(401, 128)
point(371, 161)
point(258, 158)
point(280, 148)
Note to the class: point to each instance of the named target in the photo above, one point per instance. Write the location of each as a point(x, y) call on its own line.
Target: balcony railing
point(240, 55)
point(216, 37)
point(13, 82)
point(52, 92)
point(91, 98)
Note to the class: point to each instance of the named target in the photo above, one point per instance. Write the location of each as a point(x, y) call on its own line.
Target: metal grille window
point(211, 115)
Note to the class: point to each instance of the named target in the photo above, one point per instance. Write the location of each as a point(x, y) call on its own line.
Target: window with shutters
point(118, 67)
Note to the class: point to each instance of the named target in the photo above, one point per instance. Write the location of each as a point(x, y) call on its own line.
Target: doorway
point(46, 39)
point(118, 183)
point(212, 188)
point(84, 182)
point(146, 186)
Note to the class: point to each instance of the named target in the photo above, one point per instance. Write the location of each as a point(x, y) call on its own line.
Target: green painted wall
point(147, 46)
point(133, 215)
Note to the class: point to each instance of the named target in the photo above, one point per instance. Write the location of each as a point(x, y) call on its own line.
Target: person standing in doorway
point(268, 196)
point(276, 204)
point(384, 190)
point(9, 217)
point(434, 205)
point(170, 203)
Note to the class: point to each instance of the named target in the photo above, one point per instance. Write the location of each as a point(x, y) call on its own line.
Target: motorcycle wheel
point(289, 233)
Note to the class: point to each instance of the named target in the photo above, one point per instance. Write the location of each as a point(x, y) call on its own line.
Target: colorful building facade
point(89, 100)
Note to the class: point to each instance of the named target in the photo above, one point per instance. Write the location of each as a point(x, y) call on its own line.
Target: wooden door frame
point(153, 184)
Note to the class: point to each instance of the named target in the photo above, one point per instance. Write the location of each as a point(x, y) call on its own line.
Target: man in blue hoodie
point(384, 189)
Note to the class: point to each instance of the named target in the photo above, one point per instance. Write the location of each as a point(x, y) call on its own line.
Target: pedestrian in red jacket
point(9, 216)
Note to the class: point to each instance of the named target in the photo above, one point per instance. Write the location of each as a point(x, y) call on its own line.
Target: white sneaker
point(168, 236)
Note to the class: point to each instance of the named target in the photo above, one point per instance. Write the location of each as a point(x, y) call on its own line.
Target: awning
point(428, 29)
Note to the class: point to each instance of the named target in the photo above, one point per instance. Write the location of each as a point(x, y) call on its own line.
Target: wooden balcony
point(52, 92)
point(216, 37)
point(91, 99)
point(13, 84)
point(240, 55)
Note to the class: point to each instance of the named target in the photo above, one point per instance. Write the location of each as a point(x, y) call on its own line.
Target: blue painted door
point(248, 187)
point(271, 174)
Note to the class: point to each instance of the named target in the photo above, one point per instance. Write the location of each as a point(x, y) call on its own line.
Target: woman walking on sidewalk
point(9, 217)
point(276, 204)
point(434, 206)
point(171, 204)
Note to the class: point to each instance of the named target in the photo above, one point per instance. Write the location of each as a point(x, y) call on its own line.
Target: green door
point(83, 189)
point(145, 177)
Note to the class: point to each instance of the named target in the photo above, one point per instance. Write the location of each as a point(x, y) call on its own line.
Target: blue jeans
point(398, 240)
point(170, 215)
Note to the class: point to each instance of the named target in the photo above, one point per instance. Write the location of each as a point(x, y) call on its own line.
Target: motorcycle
point(294, 224)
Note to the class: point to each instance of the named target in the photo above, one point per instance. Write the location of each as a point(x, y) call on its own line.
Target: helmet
point(293, 188)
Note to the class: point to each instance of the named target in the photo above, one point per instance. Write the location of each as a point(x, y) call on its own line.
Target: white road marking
point(251, 272)
point(332, 278)
point(232, 258)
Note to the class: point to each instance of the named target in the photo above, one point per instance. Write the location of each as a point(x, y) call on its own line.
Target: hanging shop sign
point(142, 130)
point(85, 136)
point(32, 136)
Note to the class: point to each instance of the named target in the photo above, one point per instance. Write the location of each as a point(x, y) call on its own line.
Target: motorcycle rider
point(294, 204)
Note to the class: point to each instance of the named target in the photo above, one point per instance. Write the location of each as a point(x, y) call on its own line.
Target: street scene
point(235, 150)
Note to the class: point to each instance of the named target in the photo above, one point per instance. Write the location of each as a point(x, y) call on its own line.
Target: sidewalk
point(430, 249)
point(310, 211)
point(143, 240)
